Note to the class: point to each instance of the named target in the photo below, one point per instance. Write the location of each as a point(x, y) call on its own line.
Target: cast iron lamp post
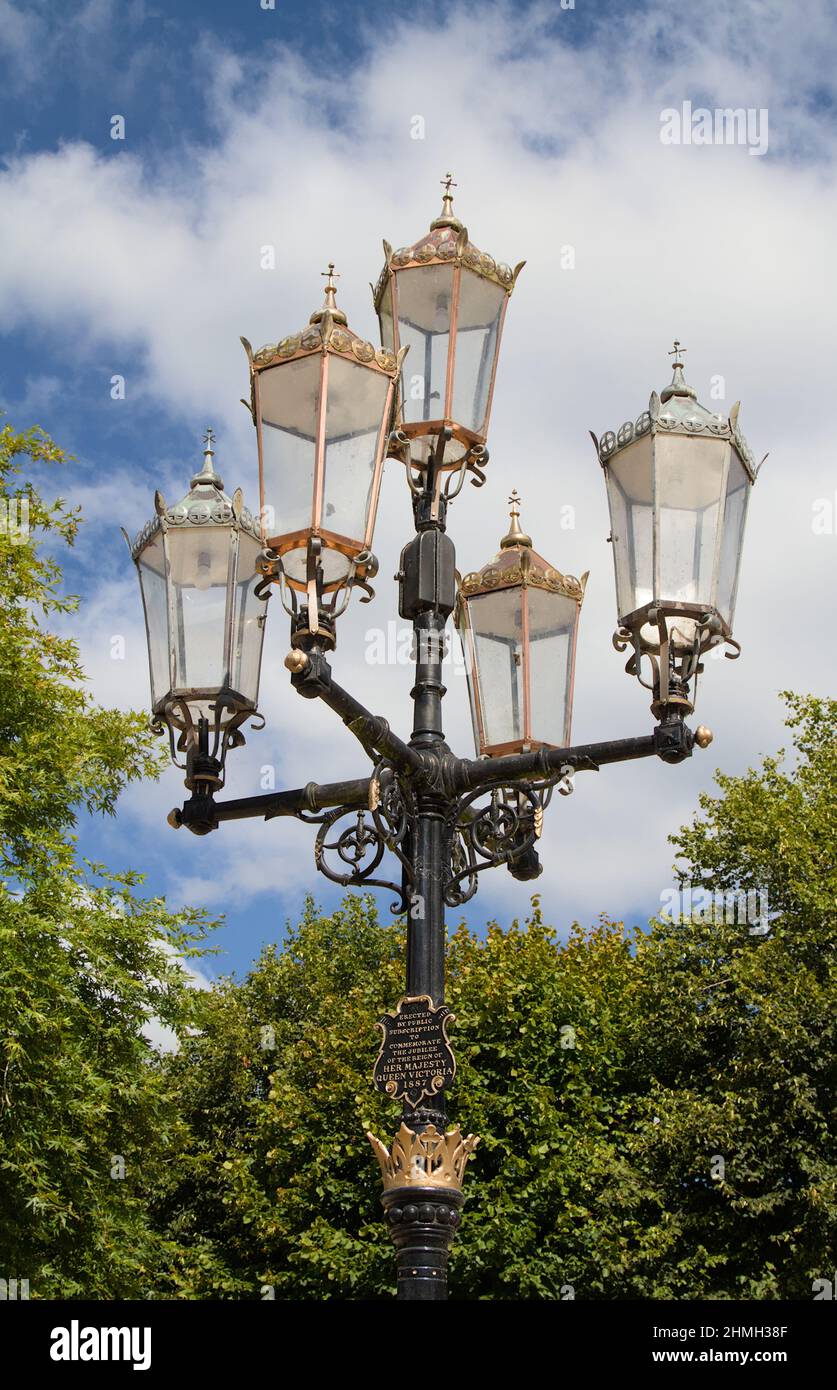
point(328, 408)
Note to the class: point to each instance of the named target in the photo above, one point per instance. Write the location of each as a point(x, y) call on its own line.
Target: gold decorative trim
point(425, 1159)
point(440, 246)
point(331, 337)
point(491, 578)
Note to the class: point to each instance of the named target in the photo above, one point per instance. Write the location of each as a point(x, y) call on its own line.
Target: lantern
point(446, 300)
point(518, 622)
point(678, 483)
point(204, 616)
point(322, 402)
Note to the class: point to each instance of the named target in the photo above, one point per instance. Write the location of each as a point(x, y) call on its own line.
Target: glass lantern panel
point(200, 561)
point(552, 619)
point(477, 327)
point(248, 622)
point(289, 398)
point(152, 572)
point(496, 623)
point(630, 494)
point(423, 296)
point(354, 413)
point(335, 565)
point(689, 478)
point(735, 516)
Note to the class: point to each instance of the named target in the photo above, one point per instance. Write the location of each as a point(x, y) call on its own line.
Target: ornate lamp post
point(322, 401)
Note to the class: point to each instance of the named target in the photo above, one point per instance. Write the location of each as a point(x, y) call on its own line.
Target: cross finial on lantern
point(677, 386)
point(330, 275)
point(447, 217)
point(330, 289)
point(329, 305)
point(207, 477)
point(515, 536)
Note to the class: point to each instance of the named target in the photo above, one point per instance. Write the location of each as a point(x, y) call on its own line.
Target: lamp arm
point(311, 676)
point(201, 813)
point(672, 741)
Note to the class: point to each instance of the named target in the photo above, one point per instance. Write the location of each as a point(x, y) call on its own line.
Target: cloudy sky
point(293, 127)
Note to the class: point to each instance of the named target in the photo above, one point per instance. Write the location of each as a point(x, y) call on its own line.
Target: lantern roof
point(205, 504)
point(676, 410)
point(446, 243)
point(326, 330)
point(518, 565)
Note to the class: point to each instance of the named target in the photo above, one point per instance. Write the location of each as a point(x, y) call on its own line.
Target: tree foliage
point(85, 962)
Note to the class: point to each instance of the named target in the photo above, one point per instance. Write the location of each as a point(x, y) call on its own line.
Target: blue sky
point(291, 127)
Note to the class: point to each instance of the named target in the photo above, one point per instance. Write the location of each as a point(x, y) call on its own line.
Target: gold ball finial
point(296, 661)
point(515, 536)
point(703, 736)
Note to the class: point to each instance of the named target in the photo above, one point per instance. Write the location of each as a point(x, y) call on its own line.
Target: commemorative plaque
point(416, 1059)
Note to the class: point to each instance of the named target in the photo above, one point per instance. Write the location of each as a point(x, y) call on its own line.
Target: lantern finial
point(515, 536)
point(329, 302)
point(677, 386)
point(446, 217)
point(207, 476)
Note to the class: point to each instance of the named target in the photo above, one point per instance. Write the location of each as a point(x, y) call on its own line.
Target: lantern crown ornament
point(205, 616)
point(518, 624)
point(322, 401)
point(678, 480)
point(447, 300)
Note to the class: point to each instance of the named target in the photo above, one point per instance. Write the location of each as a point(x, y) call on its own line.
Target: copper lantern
point(322, 402)
point(446, 300)
point(204, 614)
point(518, 622)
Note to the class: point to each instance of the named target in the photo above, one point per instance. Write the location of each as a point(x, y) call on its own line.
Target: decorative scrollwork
point(392, 806)
point(383, 825)
point(674, 662)
point(498, 832)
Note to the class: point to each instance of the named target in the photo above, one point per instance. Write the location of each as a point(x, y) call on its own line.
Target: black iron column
point(423, 1173)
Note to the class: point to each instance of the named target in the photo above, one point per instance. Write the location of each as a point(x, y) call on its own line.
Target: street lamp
point(204, 617)
point(518, 623)
point(322, 403)
point(678, 482)
point(446, 300)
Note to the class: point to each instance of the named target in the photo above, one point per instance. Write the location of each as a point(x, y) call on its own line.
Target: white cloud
point(551, 145)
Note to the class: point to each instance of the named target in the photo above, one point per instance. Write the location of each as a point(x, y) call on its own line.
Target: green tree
point(737, 1040)
point(607, 1074)
point(84, 961)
